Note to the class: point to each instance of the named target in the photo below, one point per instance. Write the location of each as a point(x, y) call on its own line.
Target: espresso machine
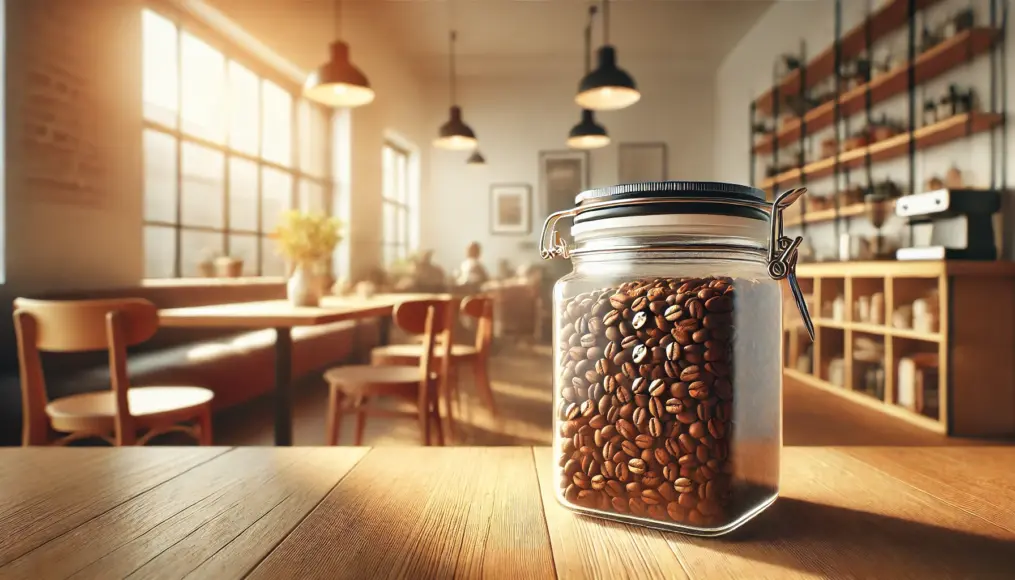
point(960, 221)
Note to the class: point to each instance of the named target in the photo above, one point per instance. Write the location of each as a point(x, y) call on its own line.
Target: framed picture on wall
point(562, 176)
point(510, 208)
point(642, 162)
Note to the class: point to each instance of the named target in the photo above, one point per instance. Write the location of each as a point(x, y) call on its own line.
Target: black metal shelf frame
point(841, 176)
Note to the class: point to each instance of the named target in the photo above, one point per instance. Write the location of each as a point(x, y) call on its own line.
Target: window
point(397, 205)
point(227, 149)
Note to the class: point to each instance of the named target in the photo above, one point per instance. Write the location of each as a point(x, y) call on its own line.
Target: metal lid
point(667, 189)
point(658, 197)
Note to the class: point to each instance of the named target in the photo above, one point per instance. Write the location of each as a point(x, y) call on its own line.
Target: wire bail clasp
point(557, 246)
point(783, 253)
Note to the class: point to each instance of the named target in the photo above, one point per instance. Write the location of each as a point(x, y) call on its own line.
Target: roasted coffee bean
point(639, 353)
point(636, 466)
point(645, 398)
point(626, 429)
point(699, 390)
point(644, 441)
point(639, 386)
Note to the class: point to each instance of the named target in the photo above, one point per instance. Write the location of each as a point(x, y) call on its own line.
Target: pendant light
point(455, 135)
point(588, 134)
point(607, 88)
point(476, 158)
point(337, 83)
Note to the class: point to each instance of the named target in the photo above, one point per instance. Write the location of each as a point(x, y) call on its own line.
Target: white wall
point(747, 72)
point(516, 118)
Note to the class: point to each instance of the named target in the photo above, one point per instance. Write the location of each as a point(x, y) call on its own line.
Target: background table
point(283, 317)
point(351, 512)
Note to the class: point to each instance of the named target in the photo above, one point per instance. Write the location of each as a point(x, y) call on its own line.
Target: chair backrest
point(434, 319)
point(78, 326)
point(480, 307)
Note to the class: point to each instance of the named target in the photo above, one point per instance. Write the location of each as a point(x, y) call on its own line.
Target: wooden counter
point(482, 512)
point(971, 345)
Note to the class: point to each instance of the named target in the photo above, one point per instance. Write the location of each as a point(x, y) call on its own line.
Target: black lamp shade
point(476, 158)
point(608, 87)
point(588, 134)
point(455, 134)
point(337, 83)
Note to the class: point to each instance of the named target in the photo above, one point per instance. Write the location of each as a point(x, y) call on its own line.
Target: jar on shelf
point(668, 350)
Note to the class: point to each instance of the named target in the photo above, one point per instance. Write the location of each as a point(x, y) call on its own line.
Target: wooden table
point(277, 513)
point(282, 316)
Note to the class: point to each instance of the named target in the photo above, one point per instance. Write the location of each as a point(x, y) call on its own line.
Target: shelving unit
point(976, 328)
point(956, 127)
point(934, 62)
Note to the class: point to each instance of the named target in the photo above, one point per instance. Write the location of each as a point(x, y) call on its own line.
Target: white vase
point(303, 288)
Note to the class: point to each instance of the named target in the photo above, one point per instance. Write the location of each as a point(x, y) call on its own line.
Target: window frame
point(403, 208)
point(235, 52)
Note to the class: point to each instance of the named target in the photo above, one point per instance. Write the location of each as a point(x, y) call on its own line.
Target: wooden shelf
point(882, 23)
point(939, 133)
point(932, 63)
point(905, 269)
point(878, 329)
point(825, 215)
point(975, 389)
point(867, 400)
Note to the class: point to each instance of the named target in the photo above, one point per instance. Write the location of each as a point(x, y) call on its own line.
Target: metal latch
point(783, 253)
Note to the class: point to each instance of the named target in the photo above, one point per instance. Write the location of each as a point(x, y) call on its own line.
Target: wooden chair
point(117, 415)
point(479, 307)
point(418, 382)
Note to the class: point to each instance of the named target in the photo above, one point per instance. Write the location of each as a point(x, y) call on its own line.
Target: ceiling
point(532, 36)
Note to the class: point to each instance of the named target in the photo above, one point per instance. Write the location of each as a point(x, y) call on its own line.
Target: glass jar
point(668, 353)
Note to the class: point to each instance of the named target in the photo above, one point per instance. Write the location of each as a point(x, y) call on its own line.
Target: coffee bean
point(639, 353)
point(644, 441)
point(645, 399)
point(673, 313)
point(675, 512)
point(636, 466)
point(626, 429)
point(620, 300)
point(691, 373)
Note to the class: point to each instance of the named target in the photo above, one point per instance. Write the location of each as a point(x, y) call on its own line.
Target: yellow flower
point(303, 236)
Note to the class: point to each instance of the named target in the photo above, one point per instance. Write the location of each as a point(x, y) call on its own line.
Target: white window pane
point(244, 247)
point(276, 115)
point(159, 177)
point(196, 247)
point(242, 194)
point(159, 251)
point(244, 108)
point(312, 197)
point(316, 156)
point(387, 223)
point(303, 123)
point(402, 177)
point(160, 70)
point(203, 195)
point(277, 192)
point(272, 264)
point(203, 77)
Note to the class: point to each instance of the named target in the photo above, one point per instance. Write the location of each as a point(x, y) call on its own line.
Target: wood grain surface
point(409, 512)
point(280, 313)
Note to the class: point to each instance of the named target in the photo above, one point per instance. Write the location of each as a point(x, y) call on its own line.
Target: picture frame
point(638, 162)
point(510, 208)
point(563, 174)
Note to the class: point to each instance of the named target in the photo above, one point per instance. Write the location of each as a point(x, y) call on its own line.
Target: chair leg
point(204, 427)
point(424, 423)
point(483, 383)
point(334, 424)
point(361, 420)
point(450, 418)
point(435, 416)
